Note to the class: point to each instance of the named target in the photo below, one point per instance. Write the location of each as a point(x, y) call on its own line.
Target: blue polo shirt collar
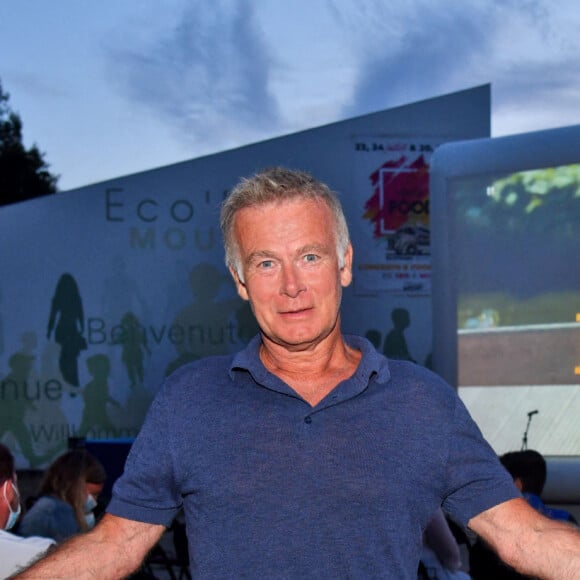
point(372, 366)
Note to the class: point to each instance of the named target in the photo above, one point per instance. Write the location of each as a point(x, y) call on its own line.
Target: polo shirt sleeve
point(476, 480)
point(147, 491)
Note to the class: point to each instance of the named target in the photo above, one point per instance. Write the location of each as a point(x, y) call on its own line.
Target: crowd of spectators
point(64, 505)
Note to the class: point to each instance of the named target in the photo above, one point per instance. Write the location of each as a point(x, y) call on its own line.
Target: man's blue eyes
point(267, 264)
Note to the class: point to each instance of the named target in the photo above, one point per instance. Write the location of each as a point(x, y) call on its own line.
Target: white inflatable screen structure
point(505, 215)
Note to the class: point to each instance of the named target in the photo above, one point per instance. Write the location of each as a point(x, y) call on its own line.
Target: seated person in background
point(529, 471)
point(441, 556)
point(67, 497)
point(15, 551)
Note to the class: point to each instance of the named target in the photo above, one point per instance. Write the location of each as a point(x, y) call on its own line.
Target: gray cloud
point(208, 77)
point(433, 44)
point(549, 95)
point(432, 48)
point(535, 81)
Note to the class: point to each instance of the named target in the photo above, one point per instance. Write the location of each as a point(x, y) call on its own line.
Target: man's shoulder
point(413, 374)
point(218, 366)
point(399, 373)
point(209, 372)
point(206, 364)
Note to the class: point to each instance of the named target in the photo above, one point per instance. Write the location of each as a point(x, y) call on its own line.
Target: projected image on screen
point(518, 304)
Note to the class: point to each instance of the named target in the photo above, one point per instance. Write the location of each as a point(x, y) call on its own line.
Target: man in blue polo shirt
point(308, 454)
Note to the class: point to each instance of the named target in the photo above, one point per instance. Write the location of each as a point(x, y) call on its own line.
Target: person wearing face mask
point(15, 552)
point(67, 497)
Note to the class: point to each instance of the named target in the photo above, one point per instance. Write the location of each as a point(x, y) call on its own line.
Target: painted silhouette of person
point(96, 398)
point(246, 323)
point(48, 416)
point(121, 292)
point(395, 345)
point(205, 322)
point(16, 402)
point(374, 336)
point(66, 313)
point(133, 339)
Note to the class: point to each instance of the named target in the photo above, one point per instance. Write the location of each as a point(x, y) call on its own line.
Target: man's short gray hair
point(278, 184)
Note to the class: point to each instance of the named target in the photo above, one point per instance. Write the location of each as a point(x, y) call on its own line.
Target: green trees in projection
point(517, 245)
point(548, 199)
point(24, 173)
point(538, 201)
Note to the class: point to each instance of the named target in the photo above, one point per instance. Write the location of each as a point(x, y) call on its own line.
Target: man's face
point(290, 268)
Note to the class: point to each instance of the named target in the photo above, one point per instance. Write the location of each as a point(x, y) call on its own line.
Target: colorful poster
point(392, 228)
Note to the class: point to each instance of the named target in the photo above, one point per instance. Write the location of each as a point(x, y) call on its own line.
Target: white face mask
point(14, 515)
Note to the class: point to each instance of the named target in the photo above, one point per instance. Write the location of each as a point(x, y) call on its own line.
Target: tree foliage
point(540, 202)
point(24, 173)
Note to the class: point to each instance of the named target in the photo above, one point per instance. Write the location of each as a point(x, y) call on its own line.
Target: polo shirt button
point(308, 419)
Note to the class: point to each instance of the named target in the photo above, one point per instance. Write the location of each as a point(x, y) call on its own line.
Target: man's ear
point(240, 286)
point(519, 483)
point(346, 270)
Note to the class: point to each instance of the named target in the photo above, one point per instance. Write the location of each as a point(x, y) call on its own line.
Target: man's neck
point(312, 372)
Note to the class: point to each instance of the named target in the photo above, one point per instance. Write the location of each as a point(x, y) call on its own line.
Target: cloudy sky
point(114, 87)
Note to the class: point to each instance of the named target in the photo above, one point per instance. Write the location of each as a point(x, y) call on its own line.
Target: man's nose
point(291, 283)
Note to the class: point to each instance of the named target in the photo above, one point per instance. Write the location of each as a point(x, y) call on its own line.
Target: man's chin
point(297, 342)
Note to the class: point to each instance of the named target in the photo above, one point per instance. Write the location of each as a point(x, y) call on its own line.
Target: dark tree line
point(24, 173)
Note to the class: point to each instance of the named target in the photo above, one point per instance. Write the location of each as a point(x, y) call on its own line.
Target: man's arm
point(529, 542)
point(113, 549)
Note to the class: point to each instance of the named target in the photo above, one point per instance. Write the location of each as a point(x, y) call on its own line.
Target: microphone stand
point(525, 437)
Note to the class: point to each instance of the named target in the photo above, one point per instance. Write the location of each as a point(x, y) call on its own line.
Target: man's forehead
point(278, 204)
point(260, 230)
point(304, 215)
point(301, 214)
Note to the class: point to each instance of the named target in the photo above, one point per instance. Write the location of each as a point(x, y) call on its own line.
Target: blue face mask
point(14, 514)
point(90, 505)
